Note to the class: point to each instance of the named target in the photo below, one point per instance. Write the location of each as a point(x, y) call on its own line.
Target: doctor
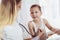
point(9, 28)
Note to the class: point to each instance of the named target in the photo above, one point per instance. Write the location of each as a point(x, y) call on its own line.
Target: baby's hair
point(36, 5)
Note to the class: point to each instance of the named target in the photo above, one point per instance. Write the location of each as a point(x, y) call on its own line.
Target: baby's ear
point(40, 14)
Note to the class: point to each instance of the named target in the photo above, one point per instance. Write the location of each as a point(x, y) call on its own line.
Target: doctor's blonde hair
point(8, 13)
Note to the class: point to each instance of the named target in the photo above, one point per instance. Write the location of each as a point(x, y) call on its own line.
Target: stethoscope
point(24, 28)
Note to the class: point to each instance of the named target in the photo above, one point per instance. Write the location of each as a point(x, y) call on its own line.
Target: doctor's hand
point(41, 34)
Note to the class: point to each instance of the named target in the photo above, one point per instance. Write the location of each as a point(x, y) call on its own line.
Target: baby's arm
point(50, 27)
point(31, 29)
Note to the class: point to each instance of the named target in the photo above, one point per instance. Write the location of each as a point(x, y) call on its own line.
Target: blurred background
point(50, 10)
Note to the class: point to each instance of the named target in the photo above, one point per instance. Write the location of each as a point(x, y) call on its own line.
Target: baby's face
point(35, 12)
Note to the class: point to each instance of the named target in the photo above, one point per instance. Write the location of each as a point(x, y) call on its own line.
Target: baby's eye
point(32, 12)
point(36, 12)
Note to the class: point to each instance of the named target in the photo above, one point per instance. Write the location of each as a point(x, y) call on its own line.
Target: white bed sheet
point(54, 37)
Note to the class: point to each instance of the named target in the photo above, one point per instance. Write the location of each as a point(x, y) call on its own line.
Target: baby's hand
point(58, 31)
point(40, 31)
point(42, 34)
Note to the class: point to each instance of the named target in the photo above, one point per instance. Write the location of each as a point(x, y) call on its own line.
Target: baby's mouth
point(35, 17)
